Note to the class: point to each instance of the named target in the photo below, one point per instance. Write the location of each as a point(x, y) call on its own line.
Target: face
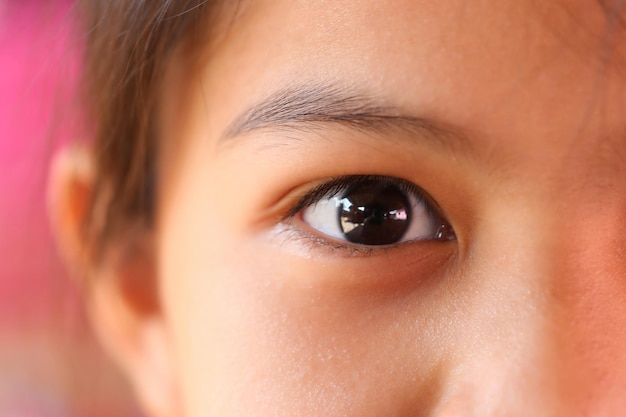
point(397, 208)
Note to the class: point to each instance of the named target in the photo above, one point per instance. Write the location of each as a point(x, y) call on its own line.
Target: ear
point(120, 285)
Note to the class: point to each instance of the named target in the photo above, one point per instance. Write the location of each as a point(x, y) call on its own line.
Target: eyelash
point(338, 184)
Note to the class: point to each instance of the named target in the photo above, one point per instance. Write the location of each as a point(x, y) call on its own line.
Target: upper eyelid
point(313, 196)
point(336, 184)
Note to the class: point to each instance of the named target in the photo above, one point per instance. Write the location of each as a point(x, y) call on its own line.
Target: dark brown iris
point(374, 213)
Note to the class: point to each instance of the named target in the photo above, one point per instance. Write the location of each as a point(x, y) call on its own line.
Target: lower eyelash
point(291, 232)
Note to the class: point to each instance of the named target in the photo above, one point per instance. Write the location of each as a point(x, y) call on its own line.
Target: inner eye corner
point(445, 232)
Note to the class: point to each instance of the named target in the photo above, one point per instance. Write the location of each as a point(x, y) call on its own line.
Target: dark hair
point(127, 49)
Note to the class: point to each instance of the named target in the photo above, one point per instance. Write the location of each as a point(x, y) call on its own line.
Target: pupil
point(374, 213)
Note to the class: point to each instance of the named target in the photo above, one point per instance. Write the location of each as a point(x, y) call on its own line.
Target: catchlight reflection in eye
point(374, 212)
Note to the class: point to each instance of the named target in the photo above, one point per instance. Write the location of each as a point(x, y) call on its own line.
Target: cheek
point(258, 329)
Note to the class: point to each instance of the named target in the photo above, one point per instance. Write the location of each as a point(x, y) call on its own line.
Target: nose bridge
point(514, 367)
point(553, 341)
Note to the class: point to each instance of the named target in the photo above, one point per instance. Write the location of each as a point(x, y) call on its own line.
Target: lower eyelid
point(291, 233)
point(295, 230)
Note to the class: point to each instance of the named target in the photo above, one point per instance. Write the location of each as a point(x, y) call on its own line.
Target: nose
point(548, 320)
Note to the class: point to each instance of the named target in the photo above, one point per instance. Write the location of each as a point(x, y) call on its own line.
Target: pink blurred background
point(49, 363)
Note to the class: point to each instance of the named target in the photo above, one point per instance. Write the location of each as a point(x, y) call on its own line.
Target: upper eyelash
point(338, 184)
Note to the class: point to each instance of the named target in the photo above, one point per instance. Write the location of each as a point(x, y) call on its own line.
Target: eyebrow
point(304, 108)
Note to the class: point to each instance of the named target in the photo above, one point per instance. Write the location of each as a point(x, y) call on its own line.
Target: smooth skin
point(227, 308)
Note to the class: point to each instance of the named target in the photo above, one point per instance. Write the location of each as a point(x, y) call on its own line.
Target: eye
point(373, 211)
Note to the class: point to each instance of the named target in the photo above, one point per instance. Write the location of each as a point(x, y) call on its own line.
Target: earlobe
point(120, 284)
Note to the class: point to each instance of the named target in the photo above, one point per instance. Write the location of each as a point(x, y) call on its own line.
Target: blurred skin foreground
point(508, 114)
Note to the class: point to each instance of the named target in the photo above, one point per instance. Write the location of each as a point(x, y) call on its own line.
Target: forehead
point(533, 83)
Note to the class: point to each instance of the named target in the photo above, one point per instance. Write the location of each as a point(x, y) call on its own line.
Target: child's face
point(509, 114)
